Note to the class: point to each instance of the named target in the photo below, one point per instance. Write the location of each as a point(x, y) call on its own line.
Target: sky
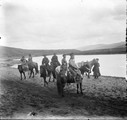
point(61, 24)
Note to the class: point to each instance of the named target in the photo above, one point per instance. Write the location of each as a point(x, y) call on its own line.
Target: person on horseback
point(23, 60)
point(63, 68)
point(30, 58)
point(45, 61)
point(24, 63)
point(54, 60)
point(30, 61)
point(64, 61)
point(74, 70)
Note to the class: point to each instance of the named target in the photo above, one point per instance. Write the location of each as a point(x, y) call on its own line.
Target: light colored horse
point(85, 67)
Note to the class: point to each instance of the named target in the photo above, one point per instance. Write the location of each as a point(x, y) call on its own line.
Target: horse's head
point(61, 74)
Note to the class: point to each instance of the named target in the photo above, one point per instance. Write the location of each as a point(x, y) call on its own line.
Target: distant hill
point(116, 48)
point(103, 46)
point(6, 52)
point(121, 50)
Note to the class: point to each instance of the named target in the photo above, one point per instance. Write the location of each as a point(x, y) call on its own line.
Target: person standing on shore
point(96, 70)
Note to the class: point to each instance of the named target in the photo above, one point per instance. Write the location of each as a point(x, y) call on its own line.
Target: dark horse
point(45, 71)
point(48, 71)
point(86, 67)
point(29, 67)
point(52, 69)
point(62, 79)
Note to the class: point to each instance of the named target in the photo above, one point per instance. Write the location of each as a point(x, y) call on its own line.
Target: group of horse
point(61, 80)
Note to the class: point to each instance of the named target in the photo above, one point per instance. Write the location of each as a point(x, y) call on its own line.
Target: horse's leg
point(81, 88)
point(62, 90)
point(20, 76)
point(36, 69)
point(24, 75)
point(30, 73)
point(33, 73)
point(53, 73)
point(88, 75)
point(49, 77)
point(54, 77)
point(77, 88)
point(45, 82)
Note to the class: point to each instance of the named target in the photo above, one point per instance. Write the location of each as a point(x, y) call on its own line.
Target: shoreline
point(10, 62)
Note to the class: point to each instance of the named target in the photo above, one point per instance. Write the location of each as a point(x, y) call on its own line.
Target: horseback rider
point(24, 62)
point(64, 61)
point(63, 69)
point(54, 60)
point(30, 61)
point(45, 61)
point(30, 58)
point(74, 70)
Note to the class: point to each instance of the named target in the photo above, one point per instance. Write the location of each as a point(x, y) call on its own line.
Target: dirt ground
point(102, 98)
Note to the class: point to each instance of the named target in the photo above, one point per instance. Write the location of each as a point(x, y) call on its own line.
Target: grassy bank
point(103, 97)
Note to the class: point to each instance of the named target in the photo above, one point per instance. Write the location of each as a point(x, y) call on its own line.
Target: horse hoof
point(77, 92)
point(81, 93)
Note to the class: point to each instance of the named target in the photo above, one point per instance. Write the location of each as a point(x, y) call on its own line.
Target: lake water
point(110, 65)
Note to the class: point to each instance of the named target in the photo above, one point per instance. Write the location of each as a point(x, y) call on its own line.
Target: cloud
point(63, 23)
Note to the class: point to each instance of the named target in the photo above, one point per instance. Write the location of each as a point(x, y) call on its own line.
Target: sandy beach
point(102, 98)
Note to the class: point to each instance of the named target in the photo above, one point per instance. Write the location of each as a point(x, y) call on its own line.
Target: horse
point(43, 73)
point(53, 66)
point(85, 67)
point(47, 71)
point(62, 79)
point(30, 66)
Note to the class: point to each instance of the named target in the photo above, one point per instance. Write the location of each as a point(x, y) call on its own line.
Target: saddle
point(72, 78)
point(25, 67)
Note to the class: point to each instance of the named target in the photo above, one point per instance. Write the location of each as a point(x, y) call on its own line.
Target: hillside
point(16, 52)
point(103, 46)
point(116, 48)
point(121, 50)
